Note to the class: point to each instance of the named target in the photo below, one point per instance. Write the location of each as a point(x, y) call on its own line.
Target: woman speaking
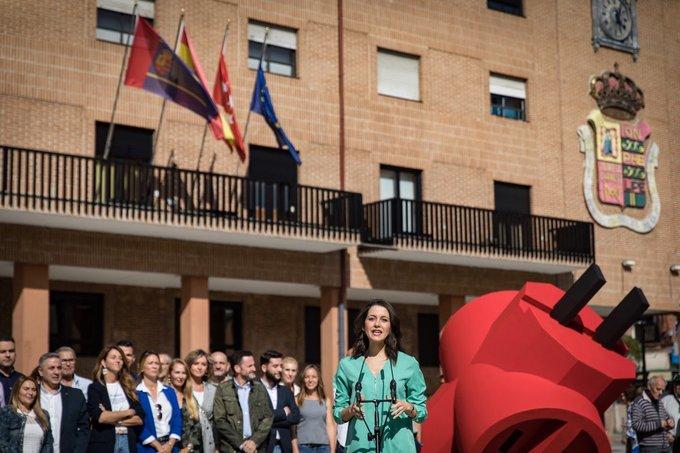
point(379, 375)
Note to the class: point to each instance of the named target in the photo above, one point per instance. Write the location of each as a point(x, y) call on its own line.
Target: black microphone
point(393, 391)
point(357, 391)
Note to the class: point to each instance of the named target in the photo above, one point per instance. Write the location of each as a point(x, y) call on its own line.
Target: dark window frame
point(59, 302)
point(237, 325)
point(428, 339)
point(123, 136)
point(125, 26)
point(399, 171)
point(256, 50)
point(513, 7)
point(312, 332)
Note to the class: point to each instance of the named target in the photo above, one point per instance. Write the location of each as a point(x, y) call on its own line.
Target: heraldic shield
point(620, 158)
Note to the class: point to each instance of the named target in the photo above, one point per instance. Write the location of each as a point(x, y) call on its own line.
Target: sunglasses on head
point(159, 408)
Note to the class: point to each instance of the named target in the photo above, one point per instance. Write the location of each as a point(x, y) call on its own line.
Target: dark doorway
point(512, 216)
point(271, 190)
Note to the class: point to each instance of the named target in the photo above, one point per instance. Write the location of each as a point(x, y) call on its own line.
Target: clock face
point(616, 19)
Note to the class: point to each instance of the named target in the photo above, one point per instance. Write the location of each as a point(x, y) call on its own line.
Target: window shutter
point(398, 75)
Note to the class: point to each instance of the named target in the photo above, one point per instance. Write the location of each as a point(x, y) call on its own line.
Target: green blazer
point(228, 417)
point(398, 433)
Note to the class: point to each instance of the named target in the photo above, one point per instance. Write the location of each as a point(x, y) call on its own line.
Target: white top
point(82, 384)
point(119, 402)
point(51, 402)
point(33, 434)
point(198, 396)
point(296, 388)
point(273, 396)
point(670, 403)
point(161, 406)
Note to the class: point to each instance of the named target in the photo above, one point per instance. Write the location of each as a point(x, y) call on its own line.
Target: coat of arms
point(620, 157)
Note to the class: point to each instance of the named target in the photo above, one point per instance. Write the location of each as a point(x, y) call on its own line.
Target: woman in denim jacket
point(24, 426)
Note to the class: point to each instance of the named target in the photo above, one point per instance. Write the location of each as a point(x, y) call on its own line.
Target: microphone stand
point(377, 434)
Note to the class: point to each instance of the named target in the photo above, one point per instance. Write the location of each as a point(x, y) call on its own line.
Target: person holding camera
point(652, 424)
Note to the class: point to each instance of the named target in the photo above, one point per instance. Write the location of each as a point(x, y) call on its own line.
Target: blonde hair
point(124, 377)
point(37, 410)
point(190, 359)
point(189, 400)
point(319, 386)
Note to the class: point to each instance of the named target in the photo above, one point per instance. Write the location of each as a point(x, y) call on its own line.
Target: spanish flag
point(186, 52)
point(154, 67)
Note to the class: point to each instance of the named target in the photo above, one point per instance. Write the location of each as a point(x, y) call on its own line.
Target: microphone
point(393, 391)
point(357, 391)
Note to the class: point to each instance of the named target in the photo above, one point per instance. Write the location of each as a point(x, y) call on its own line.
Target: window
point(403, 185)
point(512, 197)
point(115, 21)
point(226, 332)
point(506, 6)
point(313, 335)
point(508, 97)
point(77, 320)
point(428, 339)
point(128, 143)
point(271, 188)
point(398, 75)
point(512, 221)
point(281, 47)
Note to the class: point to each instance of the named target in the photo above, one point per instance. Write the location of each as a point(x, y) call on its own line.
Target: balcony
point(79, 192)
point(461, 235)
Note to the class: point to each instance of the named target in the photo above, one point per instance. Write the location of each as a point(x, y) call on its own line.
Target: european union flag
point(262, 104)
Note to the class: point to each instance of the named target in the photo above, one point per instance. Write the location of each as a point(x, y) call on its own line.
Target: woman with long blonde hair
point(316, 430)
point(113, 405)
point(191, 429)
point(203, 393)
point(24, 426)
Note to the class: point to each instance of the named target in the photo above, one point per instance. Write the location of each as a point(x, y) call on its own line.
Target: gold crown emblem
point(616, 95)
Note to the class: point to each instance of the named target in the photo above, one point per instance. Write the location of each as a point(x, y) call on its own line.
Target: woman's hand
point(403, 407)
point(352, 411)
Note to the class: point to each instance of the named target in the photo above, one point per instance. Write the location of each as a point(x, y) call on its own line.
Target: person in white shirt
point(24, 426)
point(162, 428)
point(671, 403)
point(203, 392)
point(69, 378)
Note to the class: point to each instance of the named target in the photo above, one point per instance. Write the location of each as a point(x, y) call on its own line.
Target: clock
point(615, 25)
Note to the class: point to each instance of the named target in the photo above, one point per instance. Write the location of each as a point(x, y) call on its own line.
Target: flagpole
point(264, 49)
point(205, 130)
point(109, 134)
point(160, 120)
point(245, 130)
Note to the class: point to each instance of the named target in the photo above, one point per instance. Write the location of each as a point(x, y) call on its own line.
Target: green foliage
point(634, 347)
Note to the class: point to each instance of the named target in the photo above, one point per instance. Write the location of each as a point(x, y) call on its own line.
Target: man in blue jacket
point(286, 412)
point(66, 406)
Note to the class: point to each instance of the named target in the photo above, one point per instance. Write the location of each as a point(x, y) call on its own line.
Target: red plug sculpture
point(531, 370)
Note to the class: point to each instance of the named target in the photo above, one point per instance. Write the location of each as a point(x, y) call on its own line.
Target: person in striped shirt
point(650, 421)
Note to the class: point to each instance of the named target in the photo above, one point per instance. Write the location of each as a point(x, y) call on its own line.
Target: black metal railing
point(474, 230)
point(82, 185)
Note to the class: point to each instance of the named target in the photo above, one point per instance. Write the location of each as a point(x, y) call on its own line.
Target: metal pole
point(264, 49)
point(109, 135)
point(160, 120)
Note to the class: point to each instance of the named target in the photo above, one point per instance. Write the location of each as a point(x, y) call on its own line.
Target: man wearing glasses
point(69, 378)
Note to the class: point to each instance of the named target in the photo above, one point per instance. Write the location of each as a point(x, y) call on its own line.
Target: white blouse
point(33, 434)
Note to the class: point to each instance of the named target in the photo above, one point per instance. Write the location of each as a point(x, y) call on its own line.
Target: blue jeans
point(307, 448)
point(122, 445)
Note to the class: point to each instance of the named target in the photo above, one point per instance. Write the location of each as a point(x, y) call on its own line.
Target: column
point(448, 305)
point(31, 314)
point(330, 334)
point(194, 319)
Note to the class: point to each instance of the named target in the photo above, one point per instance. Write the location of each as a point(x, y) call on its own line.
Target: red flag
point(222, 96)
point(186, 52)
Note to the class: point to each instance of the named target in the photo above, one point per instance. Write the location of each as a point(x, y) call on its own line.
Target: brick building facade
point(442, 142)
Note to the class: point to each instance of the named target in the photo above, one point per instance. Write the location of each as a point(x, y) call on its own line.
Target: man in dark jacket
point(8, 375)
point(241, 409)
point(282, 403)
point(66, 406)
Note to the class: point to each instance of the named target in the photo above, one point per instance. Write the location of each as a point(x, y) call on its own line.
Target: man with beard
point(69, 378)
point(66, 407)
point(241, 409)
point(220, 368)
point(286, 412)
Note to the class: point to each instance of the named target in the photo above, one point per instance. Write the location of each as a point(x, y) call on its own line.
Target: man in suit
point(65, 405)
point(282, 401)
point(241, 409)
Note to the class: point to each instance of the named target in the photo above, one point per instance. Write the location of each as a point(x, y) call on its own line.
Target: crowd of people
point(212, 403)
